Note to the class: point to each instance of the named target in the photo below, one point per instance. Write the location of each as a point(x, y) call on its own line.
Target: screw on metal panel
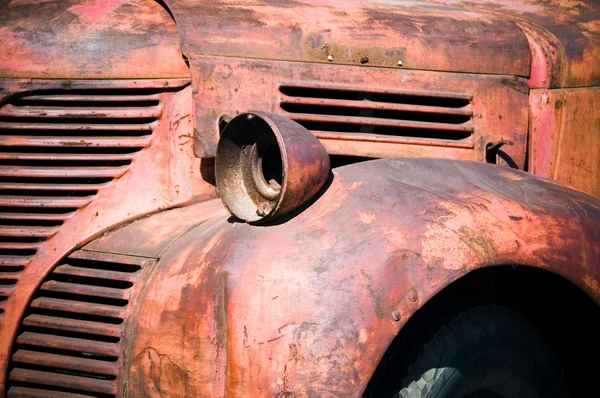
point(412, 295)
point(396, 315)
point(329, 58)
point(364, 60)
point(250, 116)
point(399, 63)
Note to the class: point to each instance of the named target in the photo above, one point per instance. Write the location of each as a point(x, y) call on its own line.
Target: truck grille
point(57, 149)
point(70, 340)
point(342, 112)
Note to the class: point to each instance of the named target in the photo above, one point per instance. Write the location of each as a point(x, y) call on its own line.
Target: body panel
point(135, 190)
point(419, 34)
point(90, 39)
point(564, 128)
point(496, 106)
point(564, 36)
point(307, 307)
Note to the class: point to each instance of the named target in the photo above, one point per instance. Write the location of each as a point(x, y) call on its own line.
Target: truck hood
point(568, 33)
point(95, 39)
point(380, 33)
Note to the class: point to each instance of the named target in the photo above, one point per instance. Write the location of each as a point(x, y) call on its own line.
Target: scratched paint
point(420, 34)
point(565, 136)
point(309, 305)
point(284, 309)
point(137, 191)
point(89, 39)
point(565, 37)
point(228, 86)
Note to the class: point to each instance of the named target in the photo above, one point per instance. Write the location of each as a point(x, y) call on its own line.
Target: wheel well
point(568, 319)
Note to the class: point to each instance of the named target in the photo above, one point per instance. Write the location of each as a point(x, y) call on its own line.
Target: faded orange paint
point(422, 35)
point(565, 136)
point(164, 185)
point(564, 36)
point(498, 107)
point(261, 311)
point(91, 39)
point(308, 304)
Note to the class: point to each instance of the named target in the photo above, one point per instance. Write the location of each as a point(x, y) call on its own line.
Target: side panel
point(564, 128)
point(154, 176)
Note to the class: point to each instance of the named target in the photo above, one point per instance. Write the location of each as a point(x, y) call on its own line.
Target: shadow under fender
point(309, 306)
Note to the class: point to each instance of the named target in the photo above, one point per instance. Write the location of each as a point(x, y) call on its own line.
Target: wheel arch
point(567, 316)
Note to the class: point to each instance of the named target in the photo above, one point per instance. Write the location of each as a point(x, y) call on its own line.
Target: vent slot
point(328, 112)
point(451, 100)
point(70, 337)
point(58, 148)
point(357, 111)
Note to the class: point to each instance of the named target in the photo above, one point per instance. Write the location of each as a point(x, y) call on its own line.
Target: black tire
point(487, 351)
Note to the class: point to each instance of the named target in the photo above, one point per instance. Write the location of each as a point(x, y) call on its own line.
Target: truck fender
point(307, 306)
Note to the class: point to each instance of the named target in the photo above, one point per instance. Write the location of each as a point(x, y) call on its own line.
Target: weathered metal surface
point(268, 165)
point(419, 34)
point(154, 235)
point(305, 307)
point(309, 306)
point(477, 110)
point(73, 342)
point(564, 37)
point(565, 136)
point(67, 154)
point(93, 39)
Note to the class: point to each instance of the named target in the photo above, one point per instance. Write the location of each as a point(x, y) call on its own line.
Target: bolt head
point(399, 62)
point(396, 316)
point(329, 58)
point(412, 295)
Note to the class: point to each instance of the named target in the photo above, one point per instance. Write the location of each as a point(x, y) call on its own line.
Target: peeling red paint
point(306, 305)
point(307, 315)
point(92, 39)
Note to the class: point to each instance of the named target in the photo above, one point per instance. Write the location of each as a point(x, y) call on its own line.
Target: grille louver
point(70, 338)
point(346, 113)
point(57, 149)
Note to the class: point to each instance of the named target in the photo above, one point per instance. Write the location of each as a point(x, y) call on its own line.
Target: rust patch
point(76, 143)
point(380, 311)
point(160, 374)
point(284, 391)
point(477, 241)
point(221, 310)
point(593, 285)
point(409, 254)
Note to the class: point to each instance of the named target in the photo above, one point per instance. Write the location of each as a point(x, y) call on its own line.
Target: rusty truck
point(299, 198)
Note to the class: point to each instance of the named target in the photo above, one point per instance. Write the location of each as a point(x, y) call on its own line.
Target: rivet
point(412, 295)
point(329, 58)
point(364, 60)
point(399, 62)
point(250, 116)
point(396, 315)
